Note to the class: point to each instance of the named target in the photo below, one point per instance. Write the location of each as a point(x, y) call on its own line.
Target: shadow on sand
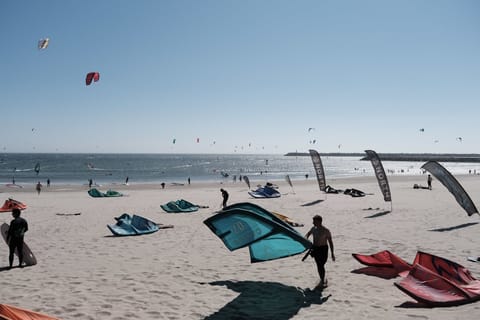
point(312, 203)
point(14, 267)
point(265, 300)
point(381, 272)
point(460, 226)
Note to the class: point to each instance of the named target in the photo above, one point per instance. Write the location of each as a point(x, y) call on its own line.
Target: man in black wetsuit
point(15, 234)
point(322, 238)
point(224, 197)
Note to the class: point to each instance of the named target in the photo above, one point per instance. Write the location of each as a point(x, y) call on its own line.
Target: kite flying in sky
point(92, 76)
point(43, 43)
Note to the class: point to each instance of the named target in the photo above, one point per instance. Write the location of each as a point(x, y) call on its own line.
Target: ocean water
point(177, 168)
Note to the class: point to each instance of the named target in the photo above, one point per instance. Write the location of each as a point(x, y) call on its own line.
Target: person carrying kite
point(16, 231)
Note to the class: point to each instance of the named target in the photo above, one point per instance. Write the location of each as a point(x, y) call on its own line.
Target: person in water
point(322, 238)
point(16, 231)
point(224, 197)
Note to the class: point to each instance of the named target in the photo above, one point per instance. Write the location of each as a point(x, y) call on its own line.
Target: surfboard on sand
point(28, 257)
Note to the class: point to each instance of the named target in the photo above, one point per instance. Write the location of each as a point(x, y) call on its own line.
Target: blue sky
point(241, 76)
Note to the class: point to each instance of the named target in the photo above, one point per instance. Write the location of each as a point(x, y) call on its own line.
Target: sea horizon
point(114, 168)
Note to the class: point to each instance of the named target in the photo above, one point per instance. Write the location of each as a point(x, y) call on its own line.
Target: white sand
point(187, 273)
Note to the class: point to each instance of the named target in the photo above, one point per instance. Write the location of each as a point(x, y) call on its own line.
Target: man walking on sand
point(322, 238)
point(224, 197)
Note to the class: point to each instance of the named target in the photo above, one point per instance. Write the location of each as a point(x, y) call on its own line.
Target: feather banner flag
point(317, 164)
point(449, 181)
point(380, 174)
point(247, 181)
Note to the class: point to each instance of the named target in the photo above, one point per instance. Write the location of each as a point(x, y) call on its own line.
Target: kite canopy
point(132, 225)
point(179, 206)
point(268, 237)
point(43, 43)
point(265, 192)
point(14, 313)
point(92, 76)
point(11, 204)
point(430, 279)
point(95, 193)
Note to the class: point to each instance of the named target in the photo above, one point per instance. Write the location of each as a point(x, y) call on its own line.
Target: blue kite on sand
point(95, 193)
point(267, 237)
point(132, 225)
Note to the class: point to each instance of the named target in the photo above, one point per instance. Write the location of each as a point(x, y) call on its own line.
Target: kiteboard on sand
point(13, 185)
point(473, 259)
point(28, 257)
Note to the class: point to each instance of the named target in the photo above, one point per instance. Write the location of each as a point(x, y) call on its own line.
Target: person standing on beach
point(429, 182)
point(322, 238)
point(39, 187)
point(225, 197)
point(16, 231)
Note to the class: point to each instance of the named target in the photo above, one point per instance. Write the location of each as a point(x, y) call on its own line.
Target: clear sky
point(244, 76)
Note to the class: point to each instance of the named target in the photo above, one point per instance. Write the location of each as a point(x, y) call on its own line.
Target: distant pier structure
point(421, 157)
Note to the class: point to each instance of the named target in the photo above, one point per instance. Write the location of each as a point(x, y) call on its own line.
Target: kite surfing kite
point(431, 280)
point(248, 225)
point(455, 188)
point(43, 43)
point(92, 76)
point(380, 174)
point(15, 313)
point(317, 165)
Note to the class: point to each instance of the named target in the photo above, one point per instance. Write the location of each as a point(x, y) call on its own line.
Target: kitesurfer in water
point(322, 238)
point(16, 231)
point(225, 197)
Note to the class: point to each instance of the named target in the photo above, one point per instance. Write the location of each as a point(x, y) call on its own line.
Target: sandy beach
point(185, 272)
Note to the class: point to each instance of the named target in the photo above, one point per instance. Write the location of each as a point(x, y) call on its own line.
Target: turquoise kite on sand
point(248, 225)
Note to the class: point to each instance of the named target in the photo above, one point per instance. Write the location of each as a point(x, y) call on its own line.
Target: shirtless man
point(322, 238)
point(15, 234)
